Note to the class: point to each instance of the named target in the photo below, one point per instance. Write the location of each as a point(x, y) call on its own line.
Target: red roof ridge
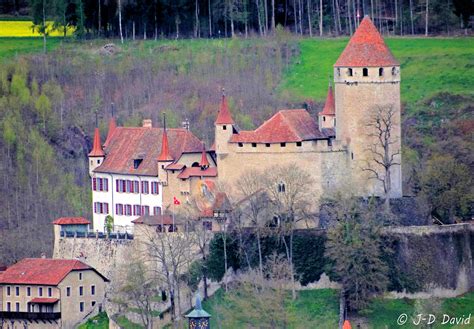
point(366, 48)
point(110, 133)
point(329, 106)
point(97, 150)
point(71, 221)
point(224, 116)
point(165, 152)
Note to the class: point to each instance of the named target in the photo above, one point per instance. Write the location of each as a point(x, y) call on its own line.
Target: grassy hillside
point(312, 309)
point(429, 66)
point(384, 313)
point(10, 47)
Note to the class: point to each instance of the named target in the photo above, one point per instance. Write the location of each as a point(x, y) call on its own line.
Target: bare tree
point(119, 8)
point(290, 191)
point(427, 10)
point(309, 18)
point(383, 150)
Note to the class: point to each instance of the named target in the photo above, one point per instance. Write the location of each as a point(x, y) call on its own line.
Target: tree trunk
point(120, 20)
point(273, 15)
point(196, 17)
point(44, 27)
point(300, 15)
point(225, 259)
point(349, 16)
point(309, 18)
point(210, 18)
point(133, 30)
point(265, 10)
point(260, 258)
point(338, 12)
point(99, 20)
point(396, 17)
point(427, 17)
point(320, 18)
point(259, 15)
point(411, 18)
point(295, 15)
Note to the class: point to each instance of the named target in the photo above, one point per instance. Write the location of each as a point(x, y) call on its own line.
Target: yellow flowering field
point(24, 29)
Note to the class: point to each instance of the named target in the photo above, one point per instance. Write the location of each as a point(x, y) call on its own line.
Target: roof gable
point(330, 105)
point(128, 144)
point(366, 48)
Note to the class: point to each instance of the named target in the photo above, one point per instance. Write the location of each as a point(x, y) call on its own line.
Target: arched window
point(381, 72)
point(349, 72)
point(365, 72)
point(195, 164)
point(281, 187)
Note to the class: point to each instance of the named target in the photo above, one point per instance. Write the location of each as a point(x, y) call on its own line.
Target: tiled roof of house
point(71, 221)
point(128, 144)
point(198, 172)
point(175, 166)
point(366, 48)
point(44, 271)
point(284, 126)
point(224, 116)
point(330, 105)
point(96, 147)
point(154, 220)
point(204, 162)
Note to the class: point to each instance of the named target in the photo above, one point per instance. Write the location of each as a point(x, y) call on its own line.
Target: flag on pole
point(176, 201)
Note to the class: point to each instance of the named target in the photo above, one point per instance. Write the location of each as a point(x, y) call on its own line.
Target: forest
point(153, 19)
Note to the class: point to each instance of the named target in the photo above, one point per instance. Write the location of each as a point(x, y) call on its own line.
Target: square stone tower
point(367, 95)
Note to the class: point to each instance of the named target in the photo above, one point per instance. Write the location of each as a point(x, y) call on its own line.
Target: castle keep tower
point(367, 82)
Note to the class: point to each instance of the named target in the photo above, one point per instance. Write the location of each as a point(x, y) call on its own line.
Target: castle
point(146, 170)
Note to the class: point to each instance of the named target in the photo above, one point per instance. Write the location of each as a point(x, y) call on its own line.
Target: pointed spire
point(112, 126)
point(329, 106)
point(224, 117)
point(347, 325)
point(366, 48)
point(204, 162)
point(165, 151)
point(97, 150)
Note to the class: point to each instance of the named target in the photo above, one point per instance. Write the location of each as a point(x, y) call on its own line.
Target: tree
point(109, 224)
point(447, 185)
point(383, 150)
point(138, 289)
point(354, 246)
point(40, 10)
point(43, 106)
point(290, 192)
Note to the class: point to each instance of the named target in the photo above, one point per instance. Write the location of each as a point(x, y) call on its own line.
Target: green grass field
point(384, 313)
point(429, 66)
point(10, 47)
point(312, 309)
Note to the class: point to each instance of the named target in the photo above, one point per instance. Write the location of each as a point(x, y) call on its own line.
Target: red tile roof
point(284, 126)
point(154, 220)
point(175, 166)
point(204, 162)
point(71, 221)
point(39, 300)
point(112, 126)
point(198, 172)
point(165, 150)
point(329, 106)
point(366, 48)
point(224, 117)
point(128, 144)
point(44, 271)
point(96, 147)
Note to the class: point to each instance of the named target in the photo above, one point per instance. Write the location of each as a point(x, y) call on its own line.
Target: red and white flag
point(176, 201)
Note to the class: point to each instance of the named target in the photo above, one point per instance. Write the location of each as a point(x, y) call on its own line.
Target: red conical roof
point(366, 48)
point(330, 106)
point(97, 146)
point(112, 126)
point(204, 162)
point(165, 150)
point(224, 117)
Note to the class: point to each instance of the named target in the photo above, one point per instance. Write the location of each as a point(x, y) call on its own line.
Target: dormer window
point(365, 72)
point(381, 72)
point(349, 72)
point(136, 163)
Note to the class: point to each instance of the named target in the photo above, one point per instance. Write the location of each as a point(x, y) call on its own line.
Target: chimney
point(147, 123)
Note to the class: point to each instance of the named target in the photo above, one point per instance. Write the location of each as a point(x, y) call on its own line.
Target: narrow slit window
point(381, 72)
point(365, 72)
point(349, 72)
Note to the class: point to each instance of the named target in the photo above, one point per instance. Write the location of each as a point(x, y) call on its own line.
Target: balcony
point(30, 316)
